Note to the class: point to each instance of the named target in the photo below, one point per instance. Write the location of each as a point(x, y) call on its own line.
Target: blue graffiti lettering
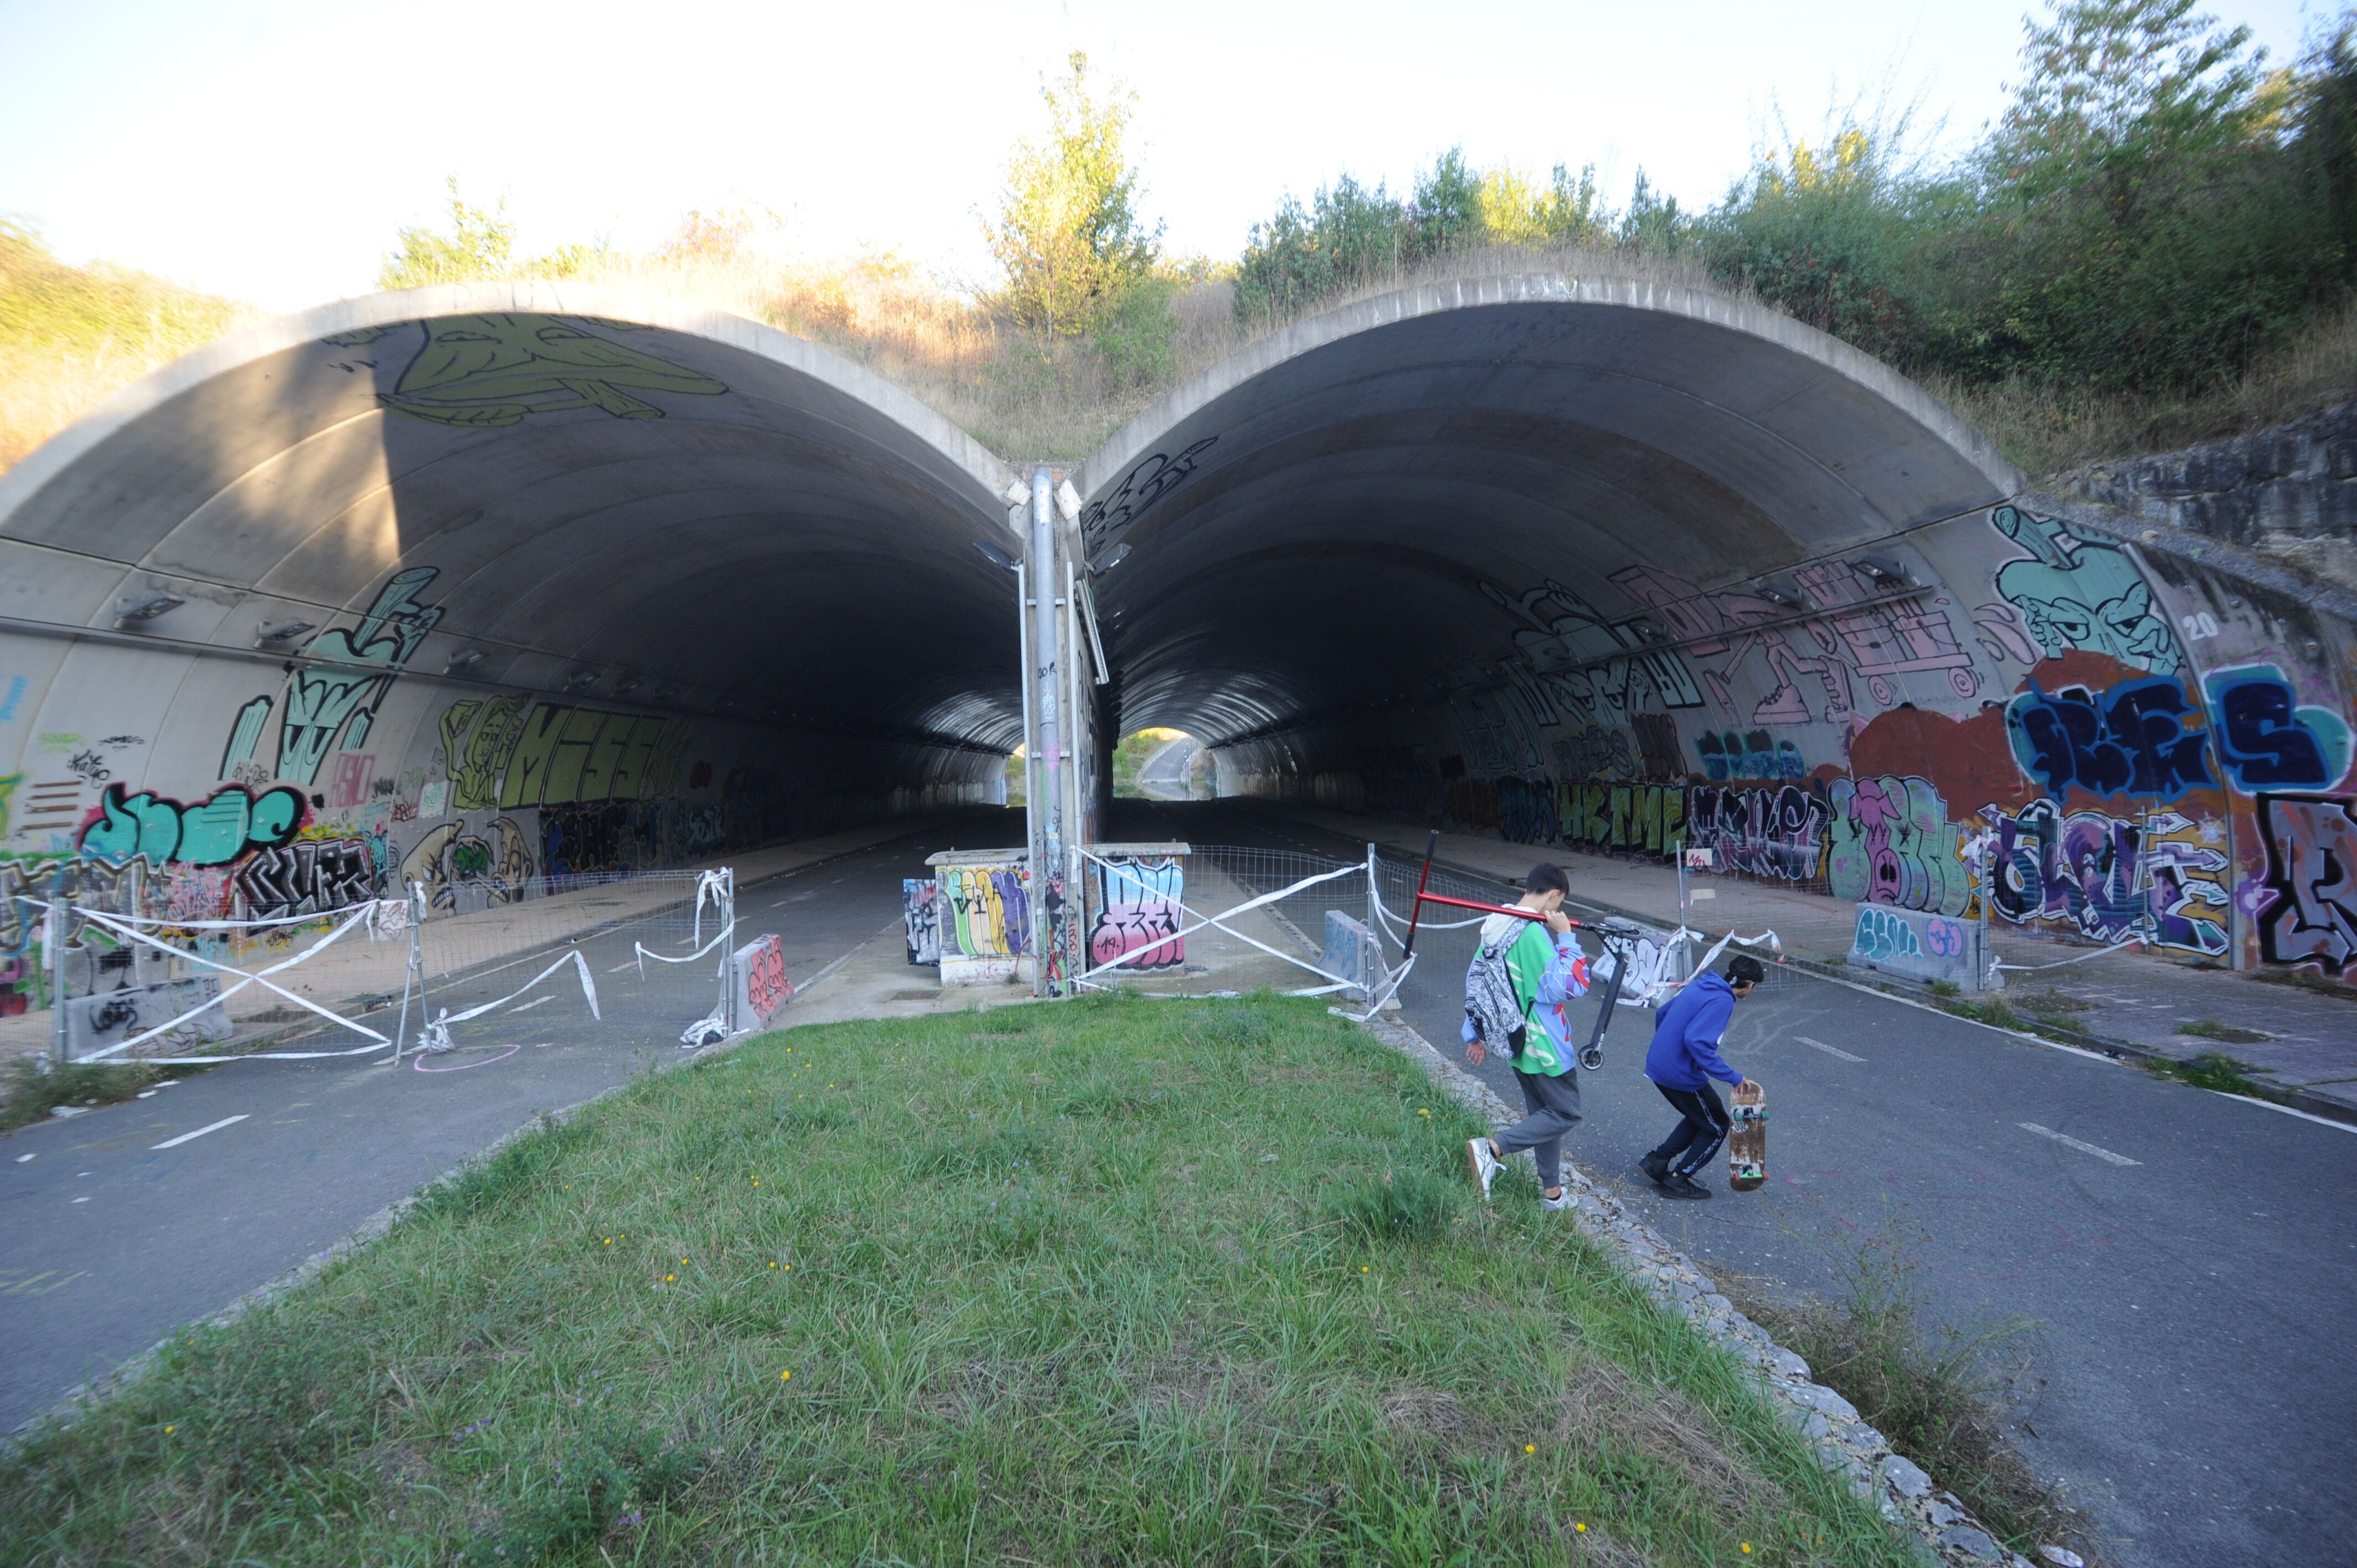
point(2265, 739)
point(2131, 741)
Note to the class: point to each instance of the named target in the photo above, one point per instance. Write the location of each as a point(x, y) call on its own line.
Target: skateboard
point(1746, 1140)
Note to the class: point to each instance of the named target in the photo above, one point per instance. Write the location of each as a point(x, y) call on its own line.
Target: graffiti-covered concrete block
point(920, 919)
point(111, 1018)
point(758, 970)
point(1918, 944)
point(984, 915)
point(1352, 953)
point(1138, 910)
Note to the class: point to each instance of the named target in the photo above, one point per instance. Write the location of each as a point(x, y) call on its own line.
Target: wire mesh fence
point(644, 952)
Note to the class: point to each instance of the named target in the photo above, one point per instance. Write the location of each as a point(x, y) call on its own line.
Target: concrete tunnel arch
point(1617, 565)
point(673, 577)
point(593, 578)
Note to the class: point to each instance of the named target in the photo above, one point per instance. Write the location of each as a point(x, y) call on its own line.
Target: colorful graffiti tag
point(1891, 843)
point(1138, 914)
point(1778, 833)
point(2310, 915)
point(216, 830)
point(2132, 740)
point(2269, 739)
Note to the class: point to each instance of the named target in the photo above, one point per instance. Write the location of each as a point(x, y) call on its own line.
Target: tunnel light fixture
point(1648, 631)
point(1119, 554)
point(626, 684)
point(1885, 573)
point(580, 679)
point(285, 631)
point(1068, 501)
point(137, 610)
point(472, 657)
point(995, 555)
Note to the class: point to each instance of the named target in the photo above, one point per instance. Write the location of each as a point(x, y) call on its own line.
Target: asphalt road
point(2185, 1264)
point(109, 1241)
point(2188, 1262)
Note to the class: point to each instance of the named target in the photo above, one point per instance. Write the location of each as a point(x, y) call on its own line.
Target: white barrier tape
point(2100, 953)
point(218, 925)
point(719, 887)
point(118, 925)
point(719, 938)
point(436, 1037)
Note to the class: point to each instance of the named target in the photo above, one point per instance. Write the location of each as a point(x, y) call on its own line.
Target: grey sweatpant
point(1552, 1102)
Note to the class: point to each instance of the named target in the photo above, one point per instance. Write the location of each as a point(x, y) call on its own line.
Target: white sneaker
point(1556, 1205)
point(1482, 1163)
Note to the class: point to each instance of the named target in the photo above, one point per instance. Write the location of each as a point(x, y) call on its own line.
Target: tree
point(2144, 233)
point(480, 245)
point(1067, 232)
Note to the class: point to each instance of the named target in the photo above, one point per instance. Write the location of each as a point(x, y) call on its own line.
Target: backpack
point(1498, 1014)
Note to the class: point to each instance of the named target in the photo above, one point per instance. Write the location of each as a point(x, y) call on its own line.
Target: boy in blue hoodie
point(1682, 1060)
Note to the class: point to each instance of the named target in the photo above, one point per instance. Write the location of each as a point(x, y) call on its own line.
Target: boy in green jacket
point(1515, 993)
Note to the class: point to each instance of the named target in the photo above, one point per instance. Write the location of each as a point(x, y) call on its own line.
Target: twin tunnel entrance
point(522, 578)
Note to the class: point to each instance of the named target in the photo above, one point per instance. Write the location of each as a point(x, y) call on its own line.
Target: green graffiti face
point(488, 370)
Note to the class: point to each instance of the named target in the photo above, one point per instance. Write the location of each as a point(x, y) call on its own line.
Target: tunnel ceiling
point(614, 494)
point(1361, 506)
point(608, 492)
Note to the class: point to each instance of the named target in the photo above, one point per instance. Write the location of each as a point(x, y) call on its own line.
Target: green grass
point(1123, 1281)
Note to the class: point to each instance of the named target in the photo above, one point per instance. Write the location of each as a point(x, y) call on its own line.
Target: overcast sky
point(268, 151)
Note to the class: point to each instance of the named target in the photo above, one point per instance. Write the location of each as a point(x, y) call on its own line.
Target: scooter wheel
point(1592, 1057)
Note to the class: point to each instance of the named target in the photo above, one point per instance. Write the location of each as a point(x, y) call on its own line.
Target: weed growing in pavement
point(2224, 1034)
point(35, 1088)
point(2211, 1070)
point(1938, 1395)
point(734, 1314)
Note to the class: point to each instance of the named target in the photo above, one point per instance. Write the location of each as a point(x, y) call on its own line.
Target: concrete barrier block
point(111, 1018)
point(1918, 945)
point(1350, 953)
point(758, 970)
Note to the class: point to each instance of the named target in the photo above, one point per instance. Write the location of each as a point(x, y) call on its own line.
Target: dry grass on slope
point(2048, 430)
point(69, 336)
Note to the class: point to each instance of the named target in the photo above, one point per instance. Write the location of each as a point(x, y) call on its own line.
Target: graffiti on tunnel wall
point(2309, 915)
point(1866, 728)
point(2134, 739)
point(1891, 843)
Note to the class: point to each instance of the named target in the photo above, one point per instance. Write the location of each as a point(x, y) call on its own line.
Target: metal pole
point(1375, 916)
point(1048, 799)
point(415, 901)
point(1034, 881)
point(54, 940)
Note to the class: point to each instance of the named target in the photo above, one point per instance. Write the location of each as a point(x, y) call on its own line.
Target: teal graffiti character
point(2075, 594)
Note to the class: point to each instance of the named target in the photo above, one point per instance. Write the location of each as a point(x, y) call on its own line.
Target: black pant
point(1701, 1132)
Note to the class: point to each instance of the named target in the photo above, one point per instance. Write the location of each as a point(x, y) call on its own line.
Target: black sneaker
point(1683, 1186)
point(1656, 1166)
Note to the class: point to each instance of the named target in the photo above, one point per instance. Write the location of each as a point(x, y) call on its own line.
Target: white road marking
point(199, 1133)
point(528, 1007)
point(2083, 1148)
point(619, 967)
point(1829, 1050)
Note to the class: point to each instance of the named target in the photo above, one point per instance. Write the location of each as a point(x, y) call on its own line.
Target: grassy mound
point(1117, 1282)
